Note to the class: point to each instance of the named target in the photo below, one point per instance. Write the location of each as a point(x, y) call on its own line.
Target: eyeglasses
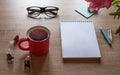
point(49, 11)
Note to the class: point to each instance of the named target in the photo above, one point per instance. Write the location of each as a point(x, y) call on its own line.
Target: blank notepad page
point(79, 40)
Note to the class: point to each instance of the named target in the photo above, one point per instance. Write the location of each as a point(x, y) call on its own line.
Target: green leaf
point(115, 14)
point(118, 16)
point(116, 2)
point(118, 30)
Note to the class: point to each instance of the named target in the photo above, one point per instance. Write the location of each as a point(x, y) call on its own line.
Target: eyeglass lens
point(33, 12)
point(51, 11)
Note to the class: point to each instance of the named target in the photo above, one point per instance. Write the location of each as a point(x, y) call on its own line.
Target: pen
point(110, 34)
point(106, 37)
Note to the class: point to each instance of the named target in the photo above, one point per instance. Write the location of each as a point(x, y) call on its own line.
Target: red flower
point(97, 4)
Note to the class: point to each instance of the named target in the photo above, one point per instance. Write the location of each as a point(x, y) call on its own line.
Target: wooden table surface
point(14, 20)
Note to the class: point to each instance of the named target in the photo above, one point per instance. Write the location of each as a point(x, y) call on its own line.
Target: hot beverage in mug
point(38, 35)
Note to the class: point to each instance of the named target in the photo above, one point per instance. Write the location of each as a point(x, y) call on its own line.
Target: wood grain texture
point(14, 20)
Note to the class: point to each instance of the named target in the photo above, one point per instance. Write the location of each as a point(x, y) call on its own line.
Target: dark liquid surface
point(38, 35)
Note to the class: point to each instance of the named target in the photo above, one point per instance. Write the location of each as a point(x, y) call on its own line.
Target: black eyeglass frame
point(42, 10)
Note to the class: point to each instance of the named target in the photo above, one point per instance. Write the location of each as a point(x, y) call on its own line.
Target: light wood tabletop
point(14, 21)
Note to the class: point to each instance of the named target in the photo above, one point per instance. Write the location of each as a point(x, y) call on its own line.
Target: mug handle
point(23, 47)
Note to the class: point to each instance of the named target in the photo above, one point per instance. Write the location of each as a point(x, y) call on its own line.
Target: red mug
point(38, 40)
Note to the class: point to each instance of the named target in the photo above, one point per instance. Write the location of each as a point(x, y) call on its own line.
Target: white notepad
point(79, 41)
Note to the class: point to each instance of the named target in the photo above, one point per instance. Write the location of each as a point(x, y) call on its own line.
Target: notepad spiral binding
point(77, 21)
